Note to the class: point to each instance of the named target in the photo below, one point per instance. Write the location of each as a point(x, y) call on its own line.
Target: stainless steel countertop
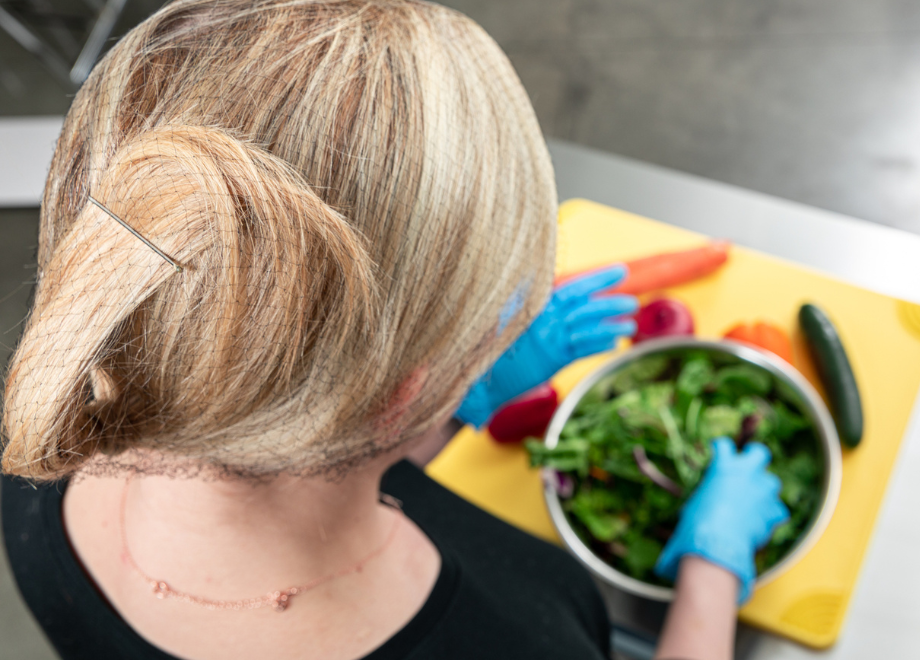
point(884, 614)
point(872, 256)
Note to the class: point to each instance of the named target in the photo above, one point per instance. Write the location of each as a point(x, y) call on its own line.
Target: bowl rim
point(813, 405)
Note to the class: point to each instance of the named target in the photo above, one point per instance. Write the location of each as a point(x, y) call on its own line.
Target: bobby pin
point(136, 234)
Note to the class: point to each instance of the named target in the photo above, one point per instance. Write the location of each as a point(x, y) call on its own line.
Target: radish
point(663, 318)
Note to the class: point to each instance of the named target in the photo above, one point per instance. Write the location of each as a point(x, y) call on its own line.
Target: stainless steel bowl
point(812, 406)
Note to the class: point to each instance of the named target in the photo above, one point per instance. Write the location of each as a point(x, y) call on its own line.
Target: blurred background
point(815, 101)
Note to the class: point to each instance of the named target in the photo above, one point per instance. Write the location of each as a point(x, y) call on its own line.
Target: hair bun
point(120, 348)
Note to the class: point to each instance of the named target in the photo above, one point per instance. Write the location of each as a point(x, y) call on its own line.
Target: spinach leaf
point(567, 456)
point(787, 423)
point(740, 379)
point(717, 421)
point(642, 554)
point(692, 418)
point(694, 377)
point(680, 451)
point(784, 532)
point(638, 409)
point(622, 464)
point(642, 371)
point(799, 475)
point(596, 509)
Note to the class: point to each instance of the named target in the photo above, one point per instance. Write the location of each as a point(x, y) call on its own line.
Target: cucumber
point(835, 372)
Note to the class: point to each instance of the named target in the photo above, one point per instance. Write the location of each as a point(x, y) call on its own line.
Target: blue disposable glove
point(732, 512)
point(573, 325)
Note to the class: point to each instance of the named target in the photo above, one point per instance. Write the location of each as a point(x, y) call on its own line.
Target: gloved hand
point(732, 512)
point(573, 325)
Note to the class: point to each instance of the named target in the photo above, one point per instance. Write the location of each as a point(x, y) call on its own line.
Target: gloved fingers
point(773, 484)
point(722, 449)
point(778, 515)
point(588, 284)
point(601, 308)
point(770, 517)
point(601, 338)
point(756, 456)
point(475, 408)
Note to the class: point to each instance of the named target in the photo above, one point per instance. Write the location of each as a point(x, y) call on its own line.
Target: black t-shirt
point(500, 594)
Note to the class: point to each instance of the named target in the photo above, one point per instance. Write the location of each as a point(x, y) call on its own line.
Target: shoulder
point(37, 550)
point(479, 536)
point(65, 602)
point(504, 569)
point(29, 512)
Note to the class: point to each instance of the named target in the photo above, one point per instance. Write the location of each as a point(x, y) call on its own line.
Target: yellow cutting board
point(882, 335)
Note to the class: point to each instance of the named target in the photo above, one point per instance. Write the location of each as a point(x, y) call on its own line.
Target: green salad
point(639, 441)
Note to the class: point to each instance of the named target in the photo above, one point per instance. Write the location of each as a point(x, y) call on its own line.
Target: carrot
point(598, 473)
point(765, 336)
point(661, 271)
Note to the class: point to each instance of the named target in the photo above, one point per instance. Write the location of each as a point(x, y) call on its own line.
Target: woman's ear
point(402, 399)
point(410, 388)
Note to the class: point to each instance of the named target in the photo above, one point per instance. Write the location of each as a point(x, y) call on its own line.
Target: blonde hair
point(355, 190)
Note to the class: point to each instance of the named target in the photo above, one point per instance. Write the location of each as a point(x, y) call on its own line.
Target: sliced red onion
point(651, 471)
point(748, 429)
point(560, 482)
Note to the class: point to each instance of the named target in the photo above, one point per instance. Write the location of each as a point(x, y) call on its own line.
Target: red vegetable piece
point(763, 335)
point(663, 318)
point(525, 416)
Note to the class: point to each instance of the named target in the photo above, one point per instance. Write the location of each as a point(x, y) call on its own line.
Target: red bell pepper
point(525, 416)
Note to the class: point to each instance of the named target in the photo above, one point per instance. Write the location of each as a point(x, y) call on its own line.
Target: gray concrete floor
point(815, 101)
point(812, 101)
point(27, 87)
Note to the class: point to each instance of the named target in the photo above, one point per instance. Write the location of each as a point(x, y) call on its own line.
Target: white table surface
point(26, 147)
point(884, 614)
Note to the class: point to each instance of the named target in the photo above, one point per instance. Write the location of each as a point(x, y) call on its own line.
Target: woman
point(279, 243)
